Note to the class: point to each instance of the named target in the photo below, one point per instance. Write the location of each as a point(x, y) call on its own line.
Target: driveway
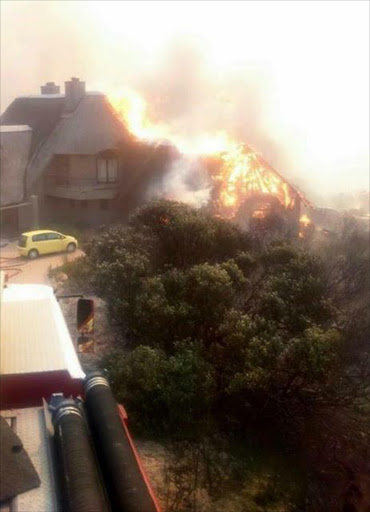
point(22, 270)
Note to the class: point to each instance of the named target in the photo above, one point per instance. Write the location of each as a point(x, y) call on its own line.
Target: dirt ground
point(25, 271)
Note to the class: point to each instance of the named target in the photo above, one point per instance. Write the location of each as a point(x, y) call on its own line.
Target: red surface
point(123, 416)
point(28, 389)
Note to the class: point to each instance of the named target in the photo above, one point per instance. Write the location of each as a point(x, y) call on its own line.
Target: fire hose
point(11, 267)
point(81, 488)
point(125, 482)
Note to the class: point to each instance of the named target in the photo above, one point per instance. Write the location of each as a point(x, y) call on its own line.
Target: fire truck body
point(37, 353)
point(39, 367)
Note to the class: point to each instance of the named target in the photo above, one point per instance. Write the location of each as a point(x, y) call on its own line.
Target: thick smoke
point(186, 93)
point(293, 62)
point(185, 180)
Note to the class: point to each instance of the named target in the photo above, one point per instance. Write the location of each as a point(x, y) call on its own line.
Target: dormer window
point(107, 168)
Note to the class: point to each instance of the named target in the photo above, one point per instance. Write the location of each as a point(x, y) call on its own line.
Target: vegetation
point(260, 347)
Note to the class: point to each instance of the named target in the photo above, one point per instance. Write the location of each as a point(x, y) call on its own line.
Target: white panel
point(34, 335)
point(30, 428)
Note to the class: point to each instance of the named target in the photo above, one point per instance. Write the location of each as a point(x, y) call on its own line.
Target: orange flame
point(305, 220)
point(242, 172)
point(243, 175)
point(259, 214)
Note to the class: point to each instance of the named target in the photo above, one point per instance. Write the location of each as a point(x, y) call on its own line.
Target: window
point(39, 238)
point(107, 169)
point(53, 236)
point(60, 170)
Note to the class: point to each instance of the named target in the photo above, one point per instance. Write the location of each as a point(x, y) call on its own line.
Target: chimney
point(74, 92)
point(50, 88)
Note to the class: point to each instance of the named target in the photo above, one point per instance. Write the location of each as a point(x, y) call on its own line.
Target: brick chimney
point(74, 92)
point(50, 88)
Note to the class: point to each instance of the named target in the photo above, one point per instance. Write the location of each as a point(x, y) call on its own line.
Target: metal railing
point(60, 180)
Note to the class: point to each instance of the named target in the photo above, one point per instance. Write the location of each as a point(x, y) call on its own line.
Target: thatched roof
point(41, 113)
point(91, 128)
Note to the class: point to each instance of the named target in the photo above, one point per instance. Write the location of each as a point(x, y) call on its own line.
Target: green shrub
point(233, 337)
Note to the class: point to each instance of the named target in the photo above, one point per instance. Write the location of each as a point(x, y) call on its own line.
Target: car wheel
point(33, 254)
point(71, 247)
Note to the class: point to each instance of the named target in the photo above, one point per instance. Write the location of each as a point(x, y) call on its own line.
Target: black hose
point(127, 489)
point(80, 486)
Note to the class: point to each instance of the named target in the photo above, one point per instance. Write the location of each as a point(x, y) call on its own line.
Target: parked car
point(43, 241)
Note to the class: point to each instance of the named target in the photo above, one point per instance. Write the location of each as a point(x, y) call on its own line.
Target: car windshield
point(22, 241)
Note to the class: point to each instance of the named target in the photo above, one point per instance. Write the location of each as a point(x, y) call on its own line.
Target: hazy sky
point(290, 78)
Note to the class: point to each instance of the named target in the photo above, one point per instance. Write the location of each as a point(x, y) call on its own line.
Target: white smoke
point(186, 180)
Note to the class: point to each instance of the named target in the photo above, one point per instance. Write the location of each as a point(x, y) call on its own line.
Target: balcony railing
point(69, 187)
point(60, 180)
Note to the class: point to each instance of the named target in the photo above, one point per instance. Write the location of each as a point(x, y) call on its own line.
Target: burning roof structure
point(242, 184)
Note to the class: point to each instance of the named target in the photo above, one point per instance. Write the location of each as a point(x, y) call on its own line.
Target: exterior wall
point(14, 153)
point(79, 167)
point(16, 219)
point(70, 194)
point(26, 218)
point(82, 167)
point(75, 177)
point(80, 213)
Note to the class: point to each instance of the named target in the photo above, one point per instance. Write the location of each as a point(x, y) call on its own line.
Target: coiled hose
point(80, 484)
point(125, 483)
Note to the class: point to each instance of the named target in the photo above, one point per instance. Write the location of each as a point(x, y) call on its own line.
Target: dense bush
point(229, 336)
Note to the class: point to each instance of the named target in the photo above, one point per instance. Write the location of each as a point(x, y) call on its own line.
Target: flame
point(132, 109)
point(305, 220)
point(259, 214)
point(242, 172)
point(243, 175)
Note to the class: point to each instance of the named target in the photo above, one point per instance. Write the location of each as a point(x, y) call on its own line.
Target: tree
point(264, 338)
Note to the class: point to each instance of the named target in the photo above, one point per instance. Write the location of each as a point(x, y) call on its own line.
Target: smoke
point(186, 93)
point(186, 180)
point(289, 80)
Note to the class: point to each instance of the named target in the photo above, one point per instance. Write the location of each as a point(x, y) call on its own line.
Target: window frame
point(110, 175)
point(35, 238)
point(57, 236)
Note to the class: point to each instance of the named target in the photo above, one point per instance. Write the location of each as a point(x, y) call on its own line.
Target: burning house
point(93, 158)
point(241, 185)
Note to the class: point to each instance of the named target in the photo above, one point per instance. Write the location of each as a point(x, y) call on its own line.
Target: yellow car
point(45, 241)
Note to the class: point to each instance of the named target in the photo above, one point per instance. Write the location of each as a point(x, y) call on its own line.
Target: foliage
point(147, 375)
point(231, 336)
